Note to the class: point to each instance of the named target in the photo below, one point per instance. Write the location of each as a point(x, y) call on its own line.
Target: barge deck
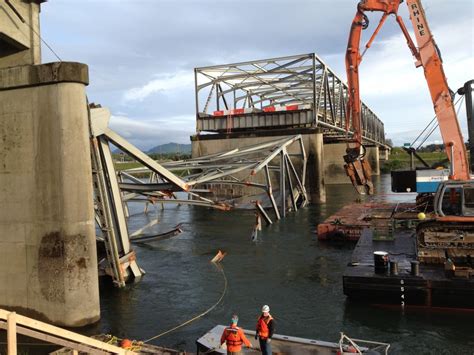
point(430, 287)
point(349, 222)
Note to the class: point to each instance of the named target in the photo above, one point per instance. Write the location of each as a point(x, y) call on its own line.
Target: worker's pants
point(234, 352)
point(265, 347)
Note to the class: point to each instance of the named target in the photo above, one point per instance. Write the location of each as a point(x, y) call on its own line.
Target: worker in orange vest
point(265, 328)
point(233, 336)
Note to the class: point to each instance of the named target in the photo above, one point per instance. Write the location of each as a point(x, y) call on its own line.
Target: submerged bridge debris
point(275, 171)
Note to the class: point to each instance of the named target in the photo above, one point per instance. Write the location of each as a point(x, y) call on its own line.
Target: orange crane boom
point(426, 54)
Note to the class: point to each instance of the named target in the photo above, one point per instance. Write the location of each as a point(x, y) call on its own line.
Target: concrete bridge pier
point(334, 172)
point(48, 262)
point(313, 144)
point(373, 155)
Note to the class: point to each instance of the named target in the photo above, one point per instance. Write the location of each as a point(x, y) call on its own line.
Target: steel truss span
point(294, 91)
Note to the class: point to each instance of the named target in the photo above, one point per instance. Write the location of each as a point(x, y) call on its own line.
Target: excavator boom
point(426, 54)
point(441, 95)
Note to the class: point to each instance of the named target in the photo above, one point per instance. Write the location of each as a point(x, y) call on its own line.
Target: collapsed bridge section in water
point(274, 171)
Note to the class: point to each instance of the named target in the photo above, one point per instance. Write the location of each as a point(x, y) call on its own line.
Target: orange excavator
point(426, 54)
point(449, 234)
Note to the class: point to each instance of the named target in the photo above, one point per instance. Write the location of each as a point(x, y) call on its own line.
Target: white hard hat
point(265, 309)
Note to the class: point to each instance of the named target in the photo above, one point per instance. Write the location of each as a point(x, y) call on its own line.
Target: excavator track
point(437, 241)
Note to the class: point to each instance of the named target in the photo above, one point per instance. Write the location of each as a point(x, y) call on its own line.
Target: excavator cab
point(454, 198)
point(448, 237)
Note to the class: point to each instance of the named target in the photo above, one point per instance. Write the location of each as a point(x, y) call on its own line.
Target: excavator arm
point(426, 55)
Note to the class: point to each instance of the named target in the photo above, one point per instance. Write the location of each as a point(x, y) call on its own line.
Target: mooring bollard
point(415, 268)
point(380, 262)
point(393, 267)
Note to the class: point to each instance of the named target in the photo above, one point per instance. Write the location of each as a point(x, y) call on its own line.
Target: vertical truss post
point(104, 211)
point(122, 194)
point(301, 187)
point(305, 161)
point(196, 99)
point(209, 97)
point(217, 96)
point(282, 185)
point(290, 183)
point(320, 93)
point(270, 192)
point(315, 112)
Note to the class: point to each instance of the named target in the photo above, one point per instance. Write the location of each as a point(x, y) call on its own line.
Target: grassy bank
point(399, 159)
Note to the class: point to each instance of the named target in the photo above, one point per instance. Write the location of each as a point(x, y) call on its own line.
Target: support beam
point(290, 183)
point(270, 192)
point(118, 141)
point(282, 185)
point(262, 211)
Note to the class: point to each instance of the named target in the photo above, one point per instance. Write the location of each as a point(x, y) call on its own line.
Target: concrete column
point(334, 162)
point(384, 154)
point(334, 172)
point(373, 156)
point(316, 157)
point(48, 263)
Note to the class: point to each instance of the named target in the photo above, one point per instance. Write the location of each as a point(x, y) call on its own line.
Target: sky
point(141, 55)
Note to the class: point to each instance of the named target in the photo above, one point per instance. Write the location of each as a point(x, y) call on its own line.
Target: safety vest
point(262, 326)
point(233, 339)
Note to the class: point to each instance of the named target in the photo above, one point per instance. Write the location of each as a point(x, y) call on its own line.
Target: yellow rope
point(199, 315)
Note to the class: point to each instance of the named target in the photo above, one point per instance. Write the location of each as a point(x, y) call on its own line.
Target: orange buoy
point(126, 343)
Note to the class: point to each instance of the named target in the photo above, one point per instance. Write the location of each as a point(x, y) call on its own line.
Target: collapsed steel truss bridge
point(276, 171)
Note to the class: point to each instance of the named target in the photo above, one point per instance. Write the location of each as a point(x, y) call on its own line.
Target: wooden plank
point(11, 333)
point(55, 340)
point(51, 329)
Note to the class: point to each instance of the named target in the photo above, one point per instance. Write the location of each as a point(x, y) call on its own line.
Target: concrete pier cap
point(48, 262)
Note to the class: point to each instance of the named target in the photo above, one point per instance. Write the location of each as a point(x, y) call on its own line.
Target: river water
point(287, 268)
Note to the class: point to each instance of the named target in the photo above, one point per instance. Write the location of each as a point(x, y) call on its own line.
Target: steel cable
point(221, 269)
point(431, 130)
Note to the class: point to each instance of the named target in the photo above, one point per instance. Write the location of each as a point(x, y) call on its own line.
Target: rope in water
point(199, 315)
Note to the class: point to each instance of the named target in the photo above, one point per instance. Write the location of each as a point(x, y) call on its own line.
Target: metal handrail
point(354, 342)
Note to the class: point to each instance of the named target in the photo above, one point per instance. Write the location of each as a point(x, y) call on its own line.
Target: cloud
point(141, 55)
point(165, 83)
point(398, 92)
point(391, 71)
point(148, 133)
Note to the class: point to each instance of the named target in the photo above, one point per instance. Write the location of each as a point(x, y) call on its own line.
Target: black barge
point(404, 281)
